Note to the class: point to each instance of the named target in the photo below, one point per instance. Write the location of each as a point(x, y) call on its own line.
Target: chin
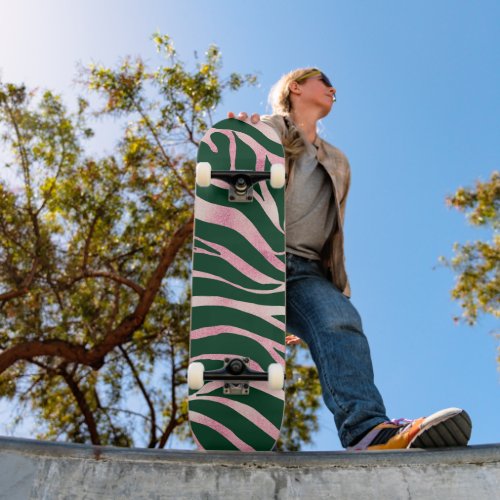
point(325, 111)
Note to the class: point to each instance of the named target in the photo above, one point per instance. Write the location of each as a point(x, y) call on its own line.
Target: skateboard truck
point(236, 376)
point(241, 182)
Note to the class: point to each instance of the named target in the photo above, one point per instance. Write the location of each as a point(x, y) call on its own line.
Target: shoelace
point(384, 435)
point(401, 421)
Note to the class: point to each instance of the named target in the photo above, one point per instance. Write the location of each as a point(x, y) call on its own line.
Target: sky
point(417, 114)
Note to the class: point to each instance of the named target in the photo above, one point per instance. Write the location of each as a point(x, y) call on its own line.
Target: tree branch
point(82, 404)
point(137, 378)
point(114, 277)
point(89, 238)
point(122, 333)
point(173, 422)
point(7, 235)
point(160, 146)
point(97, 215)
point(24, 288)
point(53, 184)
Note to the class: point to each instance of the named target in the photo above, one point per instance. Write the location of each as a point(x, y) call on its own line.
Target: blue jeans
point(325, 319)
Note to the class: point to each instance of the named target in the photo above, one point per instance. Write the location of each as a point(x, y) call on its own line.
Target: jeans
point(325, 319)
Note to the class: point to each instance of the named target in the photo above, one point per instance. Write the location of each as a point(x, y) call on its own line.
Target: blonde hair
point(281, 104)
point(279, 97)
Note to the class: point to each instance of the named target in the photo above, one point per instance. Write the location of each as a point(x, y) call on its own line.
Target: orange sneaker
point(450, 427)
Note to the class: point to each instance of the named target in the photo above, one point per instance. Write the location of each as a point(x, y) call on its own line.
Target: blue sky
point(418, 115)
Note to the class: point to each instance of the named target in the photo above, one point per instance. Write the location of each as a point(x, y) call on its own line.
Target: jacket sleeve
point(343, 202)
point(276, 122)
point(347, 185)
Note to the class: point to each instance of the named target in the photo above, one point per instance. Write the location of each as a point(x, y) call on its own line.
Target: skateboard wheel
point(203, 174)
point(195, 376)
point(276, 376)
point(277, 175)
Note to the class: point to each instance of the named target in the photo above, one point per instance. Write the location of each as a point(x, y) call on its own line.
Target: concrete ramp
point(36, 469)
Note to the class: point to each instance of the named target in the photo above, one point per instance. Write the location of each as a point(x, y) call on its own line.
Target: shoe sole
point(451, 427)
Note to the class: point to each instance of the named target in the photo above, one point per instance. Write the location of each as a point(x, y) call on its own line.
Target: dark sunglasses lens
point(326, 80)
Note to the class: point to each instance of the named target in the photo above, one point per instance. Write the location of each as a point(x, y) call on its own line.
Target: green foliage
point(95, 254)
point(476, 263)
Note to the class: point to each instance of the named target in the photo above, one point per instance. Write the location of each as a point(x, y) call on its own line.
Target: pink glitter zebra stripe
point(270, 345)
point(234, 219)
point(246, 411)
point(199, 274)
point(221, 429)
point(236, 261)
point(267, 313)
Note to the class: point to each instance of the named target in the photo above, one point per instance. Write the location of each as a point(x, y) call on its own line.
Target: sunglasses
point(316, 72)
point(323, 78)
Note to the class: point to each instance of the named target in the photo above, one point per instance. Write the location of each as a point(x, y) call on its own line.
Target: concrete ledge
point(36, 469)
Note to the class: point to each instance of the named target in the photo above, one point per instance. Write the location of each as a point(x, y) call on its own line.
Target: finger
point(243, 116)
point(230, 114)
point(255, 118)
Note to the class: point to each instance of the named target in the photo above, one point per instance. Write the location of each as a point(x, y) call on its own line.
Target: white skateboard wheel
point(276, 376)
point(203, 174)
point(195, 375)
point(277, 175)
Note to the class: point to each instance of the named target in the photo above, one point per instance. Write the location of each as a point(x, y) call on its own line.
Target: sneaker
point(450, 427)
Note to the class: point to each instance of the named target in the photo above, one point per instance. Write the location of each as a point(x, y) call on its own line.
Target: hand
point(255, 118)
point(292, 340)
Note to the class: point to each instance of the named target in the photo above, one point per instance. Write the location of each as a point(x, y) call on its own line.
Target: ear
point(294, 88)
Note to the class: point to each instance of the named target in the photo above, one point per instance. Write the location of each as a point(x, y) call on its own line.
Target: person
point(319, 309)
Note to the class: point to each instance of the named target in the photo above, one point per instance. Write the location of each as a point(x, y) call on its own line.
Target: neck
point(307, 121)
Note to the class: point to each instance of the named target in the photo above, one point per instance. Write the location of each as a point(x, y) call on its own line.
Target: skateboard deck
point(238, 291)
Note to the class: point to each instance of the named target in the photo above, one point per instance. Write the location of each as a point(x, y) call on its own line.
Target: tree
point(477, 264)
point(95, 254)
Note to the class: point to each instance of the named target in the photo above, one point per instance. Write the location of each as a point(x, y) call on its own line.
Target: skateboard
point(237, 339)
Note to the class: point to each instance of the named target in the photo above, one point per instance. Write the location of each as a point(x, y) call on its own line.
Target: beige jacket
point(337, 166)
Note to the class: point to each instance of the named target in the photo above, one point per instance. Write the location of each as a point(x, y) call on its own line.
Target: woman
point(319, 310)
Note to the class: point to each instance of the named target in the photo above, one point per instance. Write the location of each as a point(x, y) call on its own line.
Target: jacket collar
point(327, 160)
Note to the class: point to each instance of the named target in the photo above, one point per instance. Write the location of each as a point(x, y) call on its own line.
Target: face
point(316, 90)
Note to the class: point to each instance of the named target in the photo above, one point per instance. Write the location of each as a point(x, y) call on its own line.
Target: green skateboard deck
point(237, 341)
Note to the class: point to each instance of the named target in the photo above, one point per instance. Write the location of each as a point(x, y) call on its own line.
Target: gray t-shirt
point(310, 207)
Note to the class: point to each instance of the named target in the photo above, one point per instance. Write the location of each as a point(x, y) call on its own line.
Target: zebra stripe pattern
point(238, 290)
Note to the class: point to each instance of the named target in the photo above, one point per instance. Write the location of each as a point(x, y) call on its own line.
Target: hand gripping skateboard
point(237, 341)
